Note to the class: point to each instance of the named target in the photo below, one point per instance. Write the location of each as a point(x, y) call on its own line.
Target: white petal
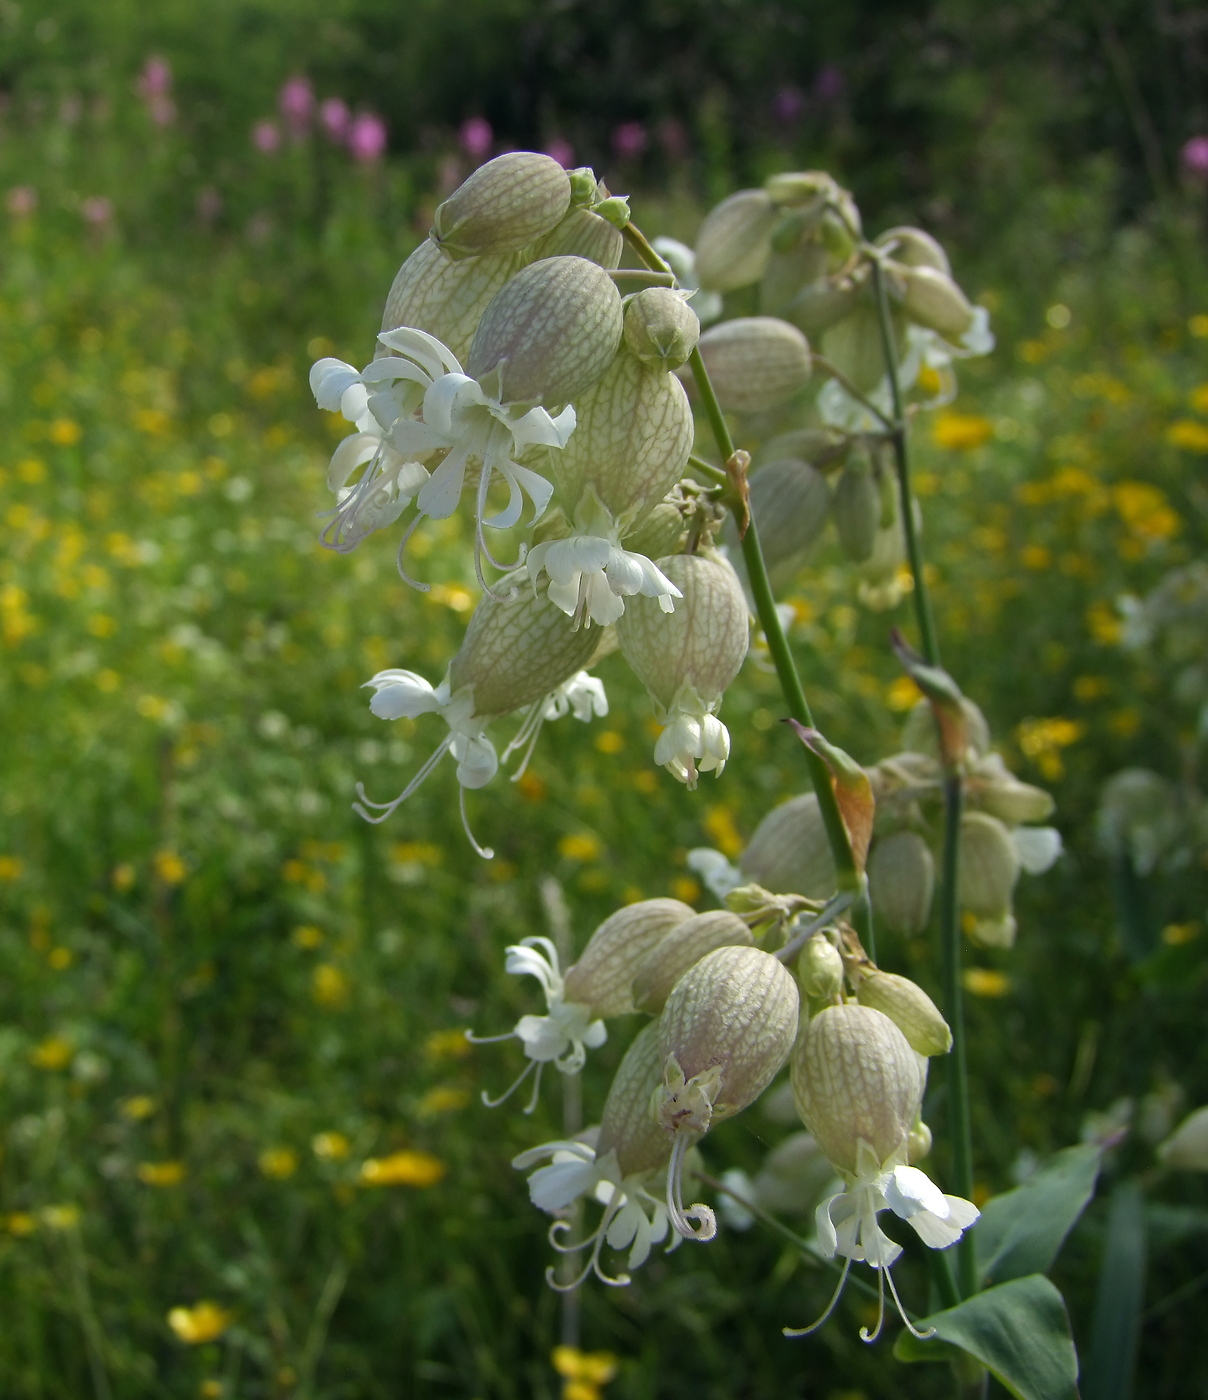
point(329, 379)
point(828, 1239)
point(595, 1035)
point(477, 761)
point(435, 357)
point(543, 1038)
point(401, 695)
point(555, 1187)
point(439, 495)
point(1037, 846)
point(561, 1147)
point(350, 454)
point(908, 1191)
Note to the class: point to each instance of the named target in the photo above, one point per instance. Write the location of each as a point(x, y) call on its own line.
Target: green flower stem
point(707, 470)
point(950, 929)
point(958, 1072)
point(914, 551)
point(769, 620)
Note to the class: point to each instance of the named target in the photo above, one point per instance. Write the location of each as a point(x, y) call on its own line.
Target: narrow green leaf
point(1021, 1231)
point(1119, 1298)
point(1020, 1333)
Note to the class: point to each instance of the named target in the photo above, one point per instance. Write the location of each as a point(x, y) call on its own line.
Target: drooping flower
point(562, 1036)
point(583, 696)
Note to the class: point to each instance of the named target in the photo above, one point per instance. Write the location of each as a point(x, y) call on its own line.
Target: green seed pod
point(735, 241)
point(853, 345)
point(857, 509)
point(910, 1009)
point(901, 882)
point(794, 188)
point(734, 1012)
point(935, 301)
point(516, 651)
point(820, 969)
point(661, 532)
point(631, 442)
point(582, 233)
point(551, 332)
point(989, 866)
point(702, 644)
point(627, 1126)
point(918, 1144)
point(911, 247)
point(504, 206)
point(787, 273)
point(996, 790)
point(755, 362)
point(682, 948)
point(790, 501)
point(919, 734)
point(602, 977)
point(660, 327)
point(789, 852)
point(855, 1077)
point(445, 298)
point(820, 447)
point(822, 303)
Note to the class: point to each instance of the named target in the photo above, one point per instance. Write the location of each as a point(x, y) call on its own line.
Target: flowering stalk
point(765, 607)
point(950, 930)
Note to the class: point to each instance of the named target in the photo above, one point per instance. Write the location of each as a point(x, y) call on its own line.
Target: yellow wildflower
point(686, 888)
point(1145, 510)
point(584, 1372)
point(986, 982)
point(1043, 739)
point(170, 868)
point(961, 432)
point(582, 846)
point(52, 1053)
point(330, 987)
point(406, 1168)
point(447, 1045)
point(331, 1147)
point(204, 1322)
point(10, 868)
point(65, 433)
point(65, 1217)
point(278, 1163)
point(306, 936)
point(1188, 434)
point(719, 823)
point(610, 742)
point(138, 1107)
point(160, 1173)
point(444, 1098)
point(21, 1223)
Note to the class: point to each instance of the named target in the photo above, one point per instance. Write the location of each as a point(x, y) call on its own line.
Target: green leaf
point(1019, 1331)
point(1021, 1231)
point(1118, 1299)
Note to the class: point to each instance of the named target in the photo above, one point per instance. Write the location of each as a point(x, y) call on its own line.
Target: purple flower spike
point(629, 140)
point(367, 138)
point(476, 138)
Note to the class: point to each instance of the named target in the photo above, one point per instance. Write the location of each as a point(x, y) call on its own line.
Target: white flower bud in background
point(1187, 1147)
point(1139, 818)
point(550, 333)
point(855, 1078)
point(603, 974)
point(919, 732)
point(660, 327)
point(790, 501)
point(793, 1176)
point(857, 509)
point(503, 206)
point(682, 948)
point(789, 852)
point(823, 448)
point(853, 345)
point(735, 241)
point(687, 658)
point(932, 299)
point(992, 788)
point(901, 882)
point(725, 1031)
point(820, 969)
point(989, 867)
point(913, 247)
point(756, 363)
point(910, 1009)
point(918, 1142)
point(446, 299)
point(819, 305)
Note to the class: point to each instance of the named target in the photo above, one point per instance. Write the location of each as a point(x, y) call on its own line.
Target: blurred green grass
point(222, 993)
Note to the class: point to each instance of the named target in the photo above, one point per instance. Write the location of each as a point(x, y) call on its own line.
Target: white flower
point(633, 1219)
point(384, 490)
point(1038, 847)
point(719, 876)
point(847, 1225)
point(695, 741)
point(582, 695)
point(404, 695)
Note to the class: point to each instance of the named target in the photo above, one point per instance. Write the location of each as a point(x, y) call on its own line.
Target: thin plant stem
point(707, 470)
point(914, 549)
point(832, 370)
point(316, 1335)
point(950, 931)
point(89, 1325)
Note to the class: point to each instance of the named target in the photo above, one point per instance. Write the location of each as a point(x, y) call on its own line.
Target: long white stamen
point(398, 559)
point(512, 1087)
point(865, 1334)
point(484, 851)
point(596, 1240)
point(387, 809)
point(830, 1307)
point(913, 1330)
point(680, 1218)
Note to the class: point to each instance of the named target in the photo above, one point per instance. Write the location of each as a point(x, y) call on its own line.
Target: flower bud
point(735, 241)
point(935, 301)
point(631, 442)
point(901, 882)
point(919, 733)
point(989, 866)
point(735, 1013)
point(659, 533)
point(1187, 1146)
point(910, 1009)
point(822, 448)
point(550, 333)
point(503, 206)
point(791, 188)
point(918, 1143)
point(855, 1077)
point(790, 501)
point(583, 233)
point(789, 852)
point(999, 792)
point(700, 646)
point(602, 977)
point(660, 327)
point(681, 949)
point(857, 509)
point(822, 303)
point(854, 345)
point(800, 263)
point(446, 299)
point(912, 247)
point(515, 651)
point(755, 362)
point(820, 969)
point(627, 1126)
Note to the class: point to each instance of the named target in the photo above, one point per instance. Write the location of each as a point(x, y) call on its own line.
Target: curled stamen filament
point(910, 1327)
point(528, 733)
point(596, 1240)
point(830, 1307)
point(387, 809)
point(865, 1334)
point(706, 1221)
point(486, 852)
point(516, 1083)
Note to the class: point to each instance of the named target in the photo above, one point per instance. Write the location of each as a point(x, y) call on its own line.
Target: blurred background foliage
point(223, 998)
